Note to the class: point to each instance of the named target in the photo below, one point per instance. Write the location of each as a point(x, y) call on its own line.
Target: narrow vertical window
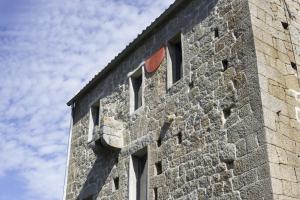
point(175, 68)
point(155, 193)
point(136, 90)
point(158, 168)
point(158, 142)
point(94, 120)
point(179, 138)
point(137, 87)
point(116, 184)
point(95, 114)
point(216, 32)
point(138, 176)
point(225, 65)
point(294, 65)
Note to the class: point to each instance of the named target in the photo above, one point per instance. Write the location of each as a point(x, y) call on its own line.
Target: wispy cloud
point(48, 51)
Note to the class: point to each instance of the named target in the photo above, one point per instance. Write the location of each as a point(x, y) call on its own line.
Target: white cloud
point(48, 50)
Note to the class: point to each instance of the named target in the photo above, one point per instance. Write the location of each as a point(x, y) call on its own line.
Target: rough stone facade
point(277, 47)
point(235, 109)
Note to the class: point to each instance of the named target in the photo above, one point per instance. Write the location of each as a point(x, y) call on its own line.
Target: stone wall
point(277, 46)
point(218, 108)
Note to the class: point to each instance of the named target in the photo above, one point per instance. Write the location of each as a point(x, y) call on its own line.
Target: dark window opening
point(137, 81)
point(155, 194)
point(235, 83)
point(227, 112)
point(175, 51)
point(285, 25)
point(158, 167)
point(88, 198)
point(179, 138)
point(225, 65)
point(229, 164)
point(216, 32)
point(158, 142)
point(191, 84)
point(236, 34)
point(294, 65)
point(95, 115)
point(139, 160)
point(116, 183)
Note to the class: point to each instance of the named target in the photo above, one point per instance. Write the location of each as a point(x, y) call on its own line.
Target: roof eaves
point(178, 4)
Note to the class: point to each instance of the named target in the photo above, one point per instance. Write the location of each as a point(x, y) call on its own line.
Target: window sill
point(137, 111)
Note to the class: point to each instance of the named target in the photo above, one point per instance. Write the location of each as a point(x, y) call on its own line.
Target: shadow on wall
point(99, 173)
point(107, 159)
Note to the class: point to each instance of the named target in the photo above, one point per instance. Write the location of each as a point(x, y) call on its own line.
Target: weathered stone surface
point(220, 132)
point(112, 132)
point(276, 48)
point(228, 154)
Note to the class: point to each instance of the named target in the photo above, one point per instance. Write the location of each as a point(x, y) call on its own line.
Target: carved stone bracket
point(108, 136)
point(112, 133)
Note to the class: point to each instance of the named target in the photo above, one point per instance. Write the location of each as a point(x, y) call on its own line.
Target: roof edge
point(130, 47)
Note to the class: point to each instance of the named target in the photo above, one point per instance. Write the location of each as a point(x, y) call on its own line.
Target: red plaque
point(153, 63)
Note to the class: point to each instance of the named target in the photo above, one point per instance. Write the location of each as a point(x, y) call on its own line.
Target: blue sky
point(48, 50)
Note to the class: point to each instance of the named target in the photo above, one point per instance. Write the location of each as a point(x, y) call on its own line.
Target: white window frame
point(91, 120)
point(170, 80)
point(132, 177)
point(131, 90)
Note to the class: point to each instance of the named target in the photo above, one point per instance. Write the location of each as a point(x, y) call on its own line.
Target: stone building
point(203, 104)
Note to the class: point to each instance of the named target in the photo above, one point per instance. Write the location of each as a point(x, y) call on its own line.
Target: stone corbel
point(112, 133)
point(107, 136)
